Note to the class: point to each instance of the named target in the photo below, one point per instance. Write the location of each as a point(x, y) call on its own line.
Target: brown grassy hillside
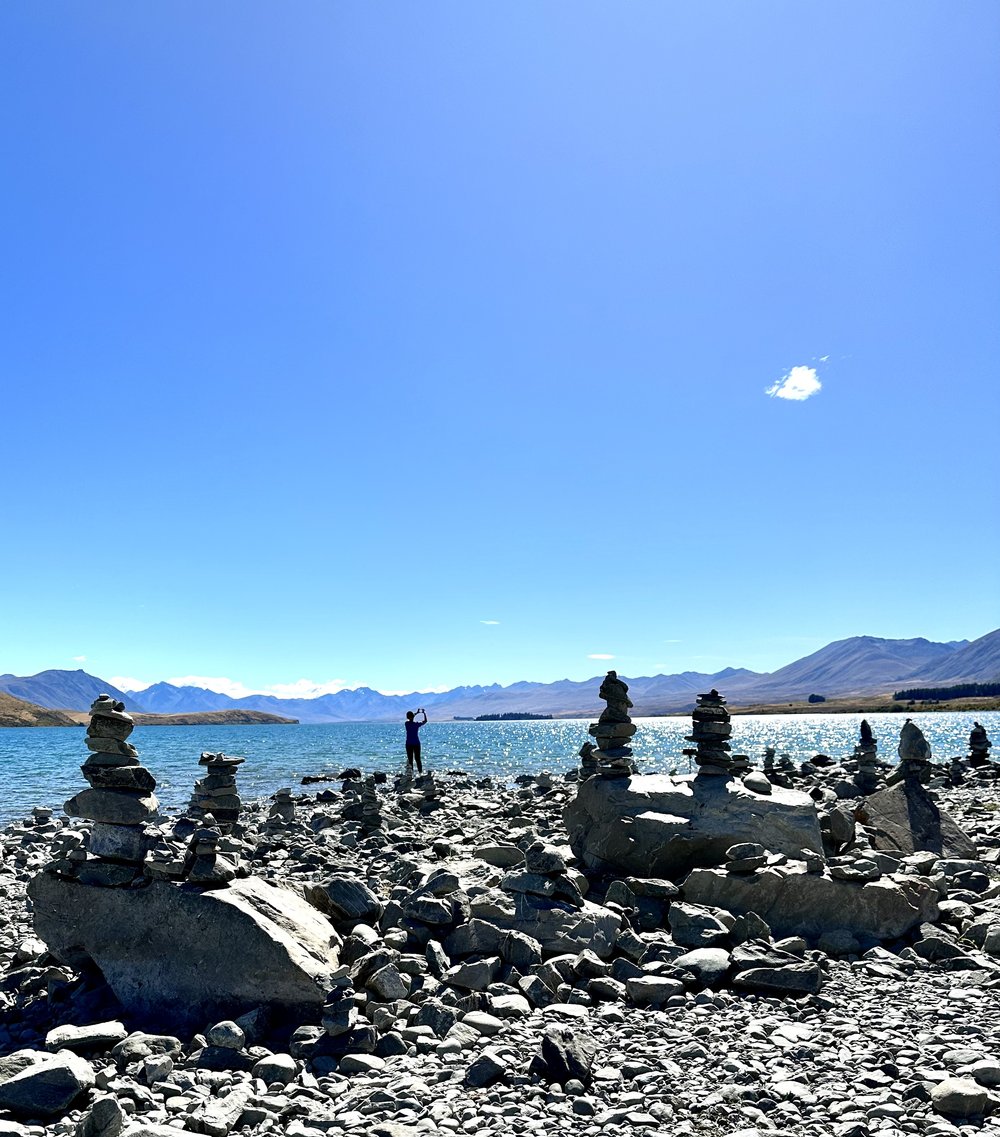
point(16, 712)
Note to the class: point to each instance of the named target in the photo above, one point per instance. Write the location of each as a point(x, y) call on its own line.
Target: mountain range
point(860, 665)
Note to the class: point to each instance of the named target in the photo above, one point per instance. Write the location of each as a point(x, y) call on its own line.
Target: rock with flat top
point(656, 825)
point(47, 1088)
point(794, 902)
point(179, 956)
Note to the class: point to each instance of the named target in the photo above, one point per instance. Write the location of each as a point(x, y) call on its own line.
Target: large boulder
point(655, 825)
point(181, 956)
point(905, 819)
point(797, 903)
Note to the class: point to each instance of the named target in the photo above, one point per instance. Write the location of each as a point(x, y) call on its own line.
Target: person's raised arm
point(424, 713)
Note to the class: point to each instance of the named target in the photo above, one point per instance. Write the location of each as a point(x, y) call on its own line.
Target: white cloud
point(79, 659)
point(489, 621)
point(235, 689)
point(127, 683)
point(800, 383)
point(439, 690)
point(600, 655)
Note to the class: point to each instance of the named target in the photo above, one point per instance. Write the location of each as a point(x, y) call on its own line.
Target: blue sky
point(412, 345)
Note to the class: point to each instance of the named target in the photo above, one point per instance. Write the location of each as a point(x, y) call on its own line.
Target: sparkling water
point(41, 765)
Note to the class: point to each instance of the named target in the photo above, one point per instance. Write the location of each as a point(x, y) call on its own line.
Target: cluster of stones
point(710, 732)
point(613, 731)
point(119, 803)
point(216, 794)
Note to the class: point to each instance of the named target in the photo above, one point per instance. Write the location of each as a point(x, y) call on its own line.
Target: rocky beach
point(765, 947)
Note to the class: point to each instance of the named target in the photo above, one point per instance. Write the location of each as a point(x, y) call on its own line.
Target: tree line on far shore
point(959, 691)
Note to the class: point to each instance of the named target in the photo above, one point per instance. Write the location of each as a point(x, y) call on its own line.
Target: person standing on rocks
point(413, 740)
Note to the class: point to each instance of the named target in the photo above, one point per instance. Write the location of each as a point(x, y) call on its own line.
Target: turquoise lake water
point(41, 765)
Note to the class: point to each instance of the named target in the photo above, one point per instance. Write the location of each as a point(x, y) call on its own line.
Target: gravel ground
point(893, 1044)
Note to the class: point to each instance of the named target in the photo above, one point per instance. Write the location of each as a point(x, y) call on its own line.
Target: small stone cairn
point(545, 877)
point(120, 801)
point(914, 755)
point(216, 795)
point(979, 746)
point(282, 812)
point(710, 733)
point(869, 774)
point(430, 799)
point(612, 757)
point(371, 813)
point(209, 868)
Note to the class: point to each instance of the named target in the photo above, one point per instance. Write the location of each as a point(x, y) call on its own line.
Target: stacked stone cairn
point(282, 812)
point(120, 801)
point(208, 867)
point(371, 813)
point(979, 746)
point(710, 733)
point(216, 795)
point(612, 757)
point(340, 1011)
point(545, 876)
point(869, 775)
point(429, 792)
point(914, 755)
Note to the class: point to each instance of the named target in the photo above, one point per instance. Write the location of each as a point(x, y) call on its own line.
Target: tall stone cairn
point(216, 794)
point(120, 800)
point(869, 774)
point(979, 746)
point(710, 732)
point(613, 731)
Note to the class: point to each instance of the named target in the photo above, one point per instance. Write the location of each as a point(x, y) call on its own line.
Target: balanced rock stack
point(914, 755)
point(979, 746)
point(371, 814)
point(866, 756)
point(545, 876)
point(282, 812)
point(710, 733)
point(120, 800)
point(209, 867)
point(216, 795)
point(429, 793)
point(613, 732)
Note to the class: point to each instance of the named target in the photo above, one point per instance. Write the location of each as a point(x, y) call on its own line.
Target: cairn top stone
point(111, 708)
point(867, 738)
point(913, 746)
point(222, 760)
point(615, 693)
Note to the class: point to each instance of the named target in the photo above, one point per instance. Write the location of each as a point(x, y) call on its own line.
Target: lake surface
point(41, 765)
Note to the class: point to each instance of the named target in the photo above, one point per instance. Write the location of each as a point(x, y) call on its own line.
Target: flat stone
point(115, 807)
point(103, 1035)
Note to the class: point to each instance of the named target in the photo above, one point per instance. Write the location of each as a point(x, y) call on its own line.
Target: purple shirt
point(412, 729)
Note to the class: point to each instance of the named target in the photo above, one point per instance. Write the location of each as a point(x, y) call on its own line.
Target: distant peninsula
point(507, 716)
point(205, 718)
point(19, 713)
